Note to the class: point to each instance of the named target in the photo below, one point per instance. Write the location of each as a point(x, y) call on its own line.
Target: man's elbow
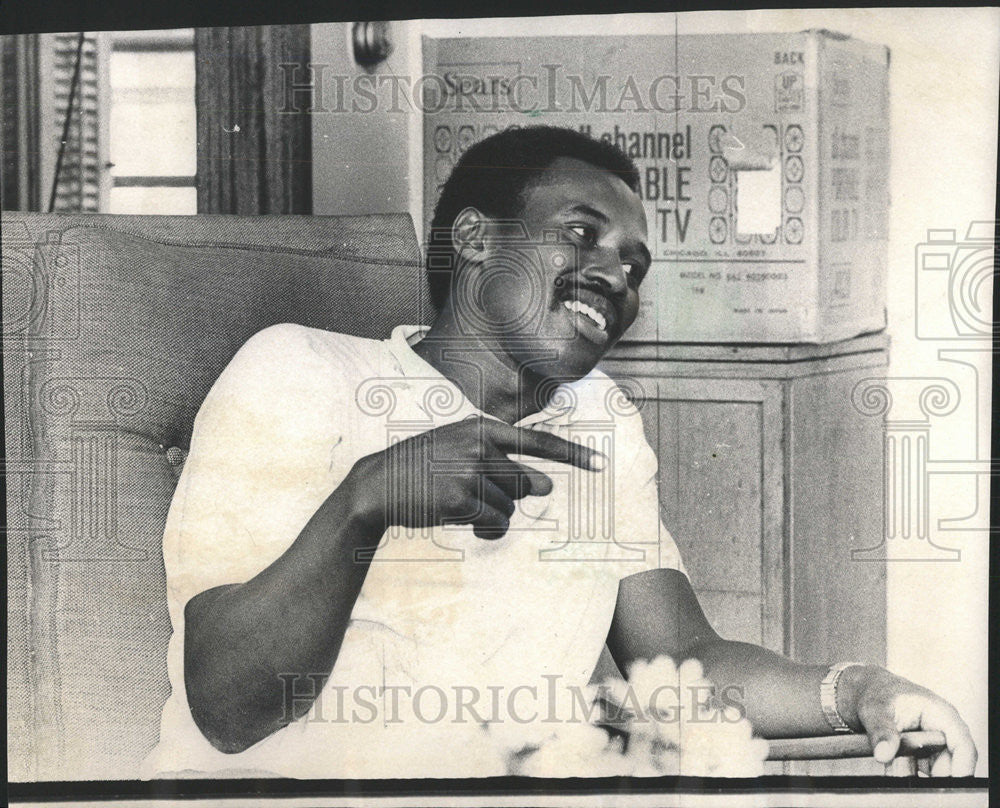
point(225, 734)
point(232, 725)
point(220, 697)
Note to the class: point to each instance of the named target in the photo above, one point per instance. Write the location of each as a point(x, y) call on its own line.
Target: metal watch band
point(828, 696)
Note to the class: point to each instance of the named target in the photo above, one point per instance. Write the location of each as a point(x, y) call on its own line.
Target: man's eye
point(583, 231)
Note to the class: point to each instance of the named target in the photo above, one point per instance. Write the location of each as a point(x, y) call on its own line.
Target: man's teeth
point(590, 311)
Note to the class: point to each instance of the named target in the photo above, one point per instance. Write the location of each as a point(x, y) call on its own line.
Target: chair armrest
point(830, 747)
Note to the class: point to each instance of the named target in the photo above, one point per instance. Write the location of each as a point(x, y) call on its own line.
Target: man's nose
point(604, 266)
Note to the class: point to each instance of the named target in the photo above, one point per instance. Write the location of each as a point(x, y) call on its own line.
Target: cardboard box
point(764, 161)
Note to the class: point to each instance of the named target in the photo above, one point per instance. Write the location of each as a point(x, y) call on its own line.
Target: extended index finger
point(519, 440)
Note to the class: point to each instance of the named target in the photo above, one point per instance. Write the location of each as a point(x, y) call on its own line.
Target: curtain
point(21, 182)
point(254, 139)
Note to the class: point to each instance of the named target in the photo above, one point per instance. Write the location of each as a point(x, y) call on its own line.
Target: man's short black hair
point(492, 176)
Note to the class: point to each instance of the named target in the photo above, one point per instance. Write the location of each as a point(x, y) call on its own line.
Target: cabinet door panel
point(719, 445)
point(710, 487)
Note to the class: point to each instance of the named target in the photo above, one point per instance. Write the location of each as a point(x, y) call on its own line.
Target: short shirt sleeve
point(263, 458)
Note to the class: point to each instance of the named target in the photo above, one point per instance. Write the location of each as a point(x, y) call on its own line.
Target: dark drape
point(254, 141)
point(21, 173)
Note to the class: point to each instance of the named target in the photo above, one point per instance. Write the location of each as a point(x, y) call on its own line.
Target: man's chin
point(573, 360)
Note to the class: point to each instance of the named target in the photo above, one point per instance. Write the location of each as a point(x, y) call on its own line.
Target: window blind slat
point(78, 183)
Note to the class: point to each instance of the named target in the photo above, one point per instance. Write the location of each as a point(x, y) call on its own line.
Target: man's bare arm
point(290, 619)
point(658, 613)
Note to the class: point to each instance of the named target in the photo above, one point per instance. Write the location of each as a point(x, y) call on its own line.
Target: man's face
point(560, 286)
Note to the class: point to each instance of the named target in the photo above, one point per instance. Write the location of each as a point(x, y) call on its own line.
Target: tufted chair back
point(114, 329)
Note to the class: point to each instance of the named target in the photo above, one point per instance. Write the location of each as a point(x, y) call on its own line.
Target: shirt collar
point(409, 363)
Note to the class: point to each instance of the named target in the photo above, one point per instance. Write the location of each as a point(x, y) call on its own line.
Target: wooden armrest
point(828, 747)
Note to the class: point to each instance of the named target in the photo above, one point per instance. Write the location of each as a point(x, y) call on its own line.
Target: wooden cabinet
point(770, 481)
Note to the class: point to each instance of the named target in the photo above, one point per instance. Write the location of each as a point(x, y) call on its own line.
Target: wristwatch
point(828, 696)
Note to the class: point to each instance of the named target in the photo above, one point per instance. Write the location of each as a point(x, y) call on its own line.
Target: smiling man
point(468, 511)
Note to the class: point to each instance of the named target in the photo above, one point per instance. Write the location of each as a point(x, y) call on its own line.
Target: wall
point(944, 91)
point(362, 160)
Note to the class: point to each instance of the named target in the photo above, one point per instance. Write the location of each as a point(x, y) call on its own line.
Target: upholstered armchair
point(114, 329)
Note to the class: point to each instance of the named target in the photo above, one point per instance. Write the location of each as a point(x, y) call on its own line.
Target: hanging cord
point(69, 115)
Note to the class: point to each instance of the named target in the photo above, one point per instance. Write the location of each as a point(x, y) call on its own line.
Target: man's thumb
point(880, 725)
point(885, 744)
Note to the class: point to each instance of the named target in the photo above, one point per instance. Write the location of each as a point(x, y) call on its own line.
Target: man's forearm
point(244, 643)
point(781, 697)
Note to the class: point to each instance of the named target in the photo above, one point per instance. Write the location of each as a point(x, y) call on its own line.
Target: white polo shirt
point(449, 631)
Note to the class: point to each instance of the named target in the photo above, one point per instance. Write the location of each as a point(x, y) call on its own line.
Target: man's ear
point(468, 234)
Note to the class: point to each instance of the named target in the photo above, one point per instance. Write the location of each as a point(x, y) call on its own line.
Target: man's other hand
point(882, 704)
